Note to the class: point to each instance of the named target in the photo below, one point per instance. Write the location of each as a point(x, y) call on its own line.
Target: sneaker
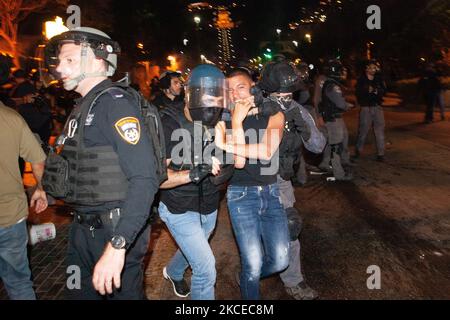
point(302, 292)
point(180, 288)
point(380, 158)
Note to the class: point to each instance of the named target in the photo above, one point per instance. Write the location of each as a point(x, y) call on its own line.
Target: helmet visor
point(207, 92)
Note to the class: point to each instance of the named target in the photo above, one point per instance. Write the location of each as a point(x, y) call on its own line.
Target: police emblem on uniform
point(129, 129)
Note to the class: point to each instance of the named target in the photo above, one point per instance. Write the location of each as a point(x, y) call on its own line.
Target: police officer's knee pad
point(337, 148)
point(295, 223)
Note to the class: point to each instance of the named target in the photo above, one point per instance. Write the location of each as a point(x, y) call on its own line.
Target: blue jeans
point(191, 231)
point(14, 267)
point(260, 226)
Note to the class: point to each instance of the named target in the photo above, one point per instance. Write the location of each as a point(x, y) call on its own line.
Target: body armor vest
point(328, 108)
point(94, 173)
point(192, 155)
point(291, 144)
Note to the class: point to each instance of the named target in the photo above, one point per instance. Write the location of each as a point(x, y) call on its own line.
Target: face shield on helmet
point(206, 94)
point(92, 42)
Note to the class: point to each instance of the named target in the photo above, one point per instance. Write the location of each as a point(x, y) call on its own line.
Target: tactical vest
point(327, 108)
point(291, 144)
point(206, 187)
point(94, 175)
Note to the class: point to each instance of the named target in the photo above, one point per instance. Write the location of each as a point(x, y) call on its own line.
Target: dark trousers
point(431, 100)
point(85, 249)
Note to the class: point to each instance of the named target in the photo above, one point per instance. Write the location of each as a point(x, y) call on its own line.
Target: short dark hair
point(240, 72)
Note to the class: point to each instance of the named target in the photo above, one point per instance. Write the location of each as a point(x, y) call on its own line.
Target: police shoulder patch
point(129, 129)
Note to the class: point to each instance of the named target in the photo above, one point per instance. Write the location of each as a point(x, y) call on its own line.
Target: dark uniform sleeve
point(334, 93)
point(120, 121)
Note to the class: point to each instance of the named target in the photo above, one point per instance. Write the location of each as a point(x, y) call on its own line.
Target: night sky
point(162, 25)
point(415, 27)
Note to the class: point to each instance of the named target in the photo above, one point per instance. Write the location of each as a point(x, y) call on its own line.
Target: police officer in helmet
point(280, 80)
point(111, 178)
point(171, 85)
point(190, 197)
point(332, 106)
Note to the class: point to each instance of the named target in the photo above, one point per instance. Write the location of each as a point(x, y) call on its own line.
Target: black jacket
point(367, 97)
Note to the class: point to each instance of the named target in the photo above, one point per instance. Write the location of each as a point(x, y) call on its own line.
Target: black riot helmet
point(166, 77)
point(335, 70)
point(280, 77)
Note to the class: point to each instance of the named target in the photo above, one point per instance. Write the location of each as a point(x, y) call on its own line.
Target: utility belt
point(98, 220)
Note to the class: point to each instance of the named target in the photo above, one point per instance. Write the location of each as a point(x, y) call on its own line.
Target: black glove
point(199, 172)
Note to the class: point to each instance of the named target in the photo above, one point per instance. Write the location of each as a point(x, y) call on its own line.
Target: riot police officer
point(190, 197)
point(281, 79)
point(331, 107)
point(106, 170)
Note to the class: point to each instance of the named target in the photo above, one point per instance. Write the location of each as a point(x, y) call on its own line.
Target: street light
point(295, 43)
point(197, 20)
point(185, 41)
point(278, 32)
point(308, 37)
point(173, 63)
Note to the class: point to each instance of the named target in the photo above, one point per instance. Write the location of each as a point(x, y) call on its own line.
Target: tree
point(12, 12)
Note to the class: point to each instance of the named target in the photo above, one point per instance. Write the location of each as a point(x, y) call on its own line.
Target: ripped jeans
point(260, 226)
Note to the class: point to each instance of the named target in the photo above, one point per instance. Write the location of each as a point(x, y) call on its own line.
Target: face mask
point(208, 116)
point(284, 101)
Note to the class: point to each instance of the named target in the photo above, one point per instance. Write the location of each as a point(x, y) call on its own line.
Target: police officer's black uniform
point(106, 170)
point(332, 107)
point(112, 168)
